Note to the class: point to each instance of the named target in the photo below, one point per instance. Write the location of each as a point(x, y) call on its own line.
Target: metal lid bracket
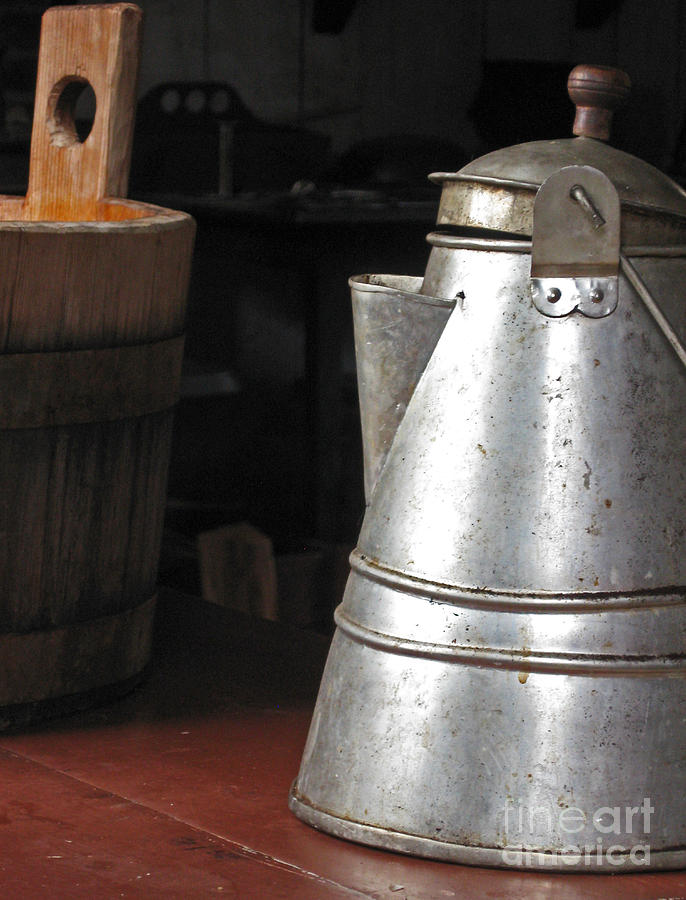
point(575, 244)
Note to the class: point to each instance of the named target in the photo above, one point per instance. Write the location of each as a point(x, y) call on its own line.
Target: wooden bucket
point(92, 303)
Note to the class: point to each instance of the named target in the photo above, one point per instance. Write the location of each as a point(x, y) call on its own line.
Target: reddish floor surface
point(180, 789)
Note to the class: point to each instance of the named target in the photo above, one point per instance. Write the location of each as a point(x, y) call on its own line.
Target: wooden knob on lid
point(596, 91)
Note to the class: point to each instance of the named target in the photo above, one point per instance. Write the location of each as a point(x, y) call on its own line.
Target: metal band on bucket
point(74, 387)
point(40, 665)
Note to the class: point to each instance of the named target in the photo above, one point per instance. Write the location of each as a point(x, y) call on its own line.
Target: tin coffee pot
point(507, 681)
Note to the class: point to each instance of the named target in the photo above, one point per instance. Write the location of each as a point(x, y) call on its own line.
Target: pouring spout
point(396, 331)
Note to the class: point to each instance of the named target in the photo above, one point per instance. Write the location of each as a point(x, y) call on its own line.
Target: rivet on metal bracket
point(578, 193)
point(593, 297)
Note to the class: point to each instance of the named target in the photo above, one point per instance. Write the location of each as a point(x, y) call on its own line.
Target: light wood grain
point(98, 45)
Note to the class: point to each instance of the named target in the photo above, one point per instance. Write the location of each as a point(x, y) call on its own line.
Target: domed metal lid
point(497, 191)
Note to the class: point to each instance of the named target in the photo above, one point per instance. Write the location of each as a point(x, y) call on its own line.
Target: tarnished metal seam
point(517, 660)
point(513, 601)
point(380, 288)
point(495, 245)
point(458, 242)
point(476, 854)
point(649, 302)
point(441, 177)
point(649, 250)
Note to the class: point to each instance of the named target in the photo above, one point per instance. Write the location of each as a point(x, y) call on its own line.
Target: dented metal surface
point(509, 666)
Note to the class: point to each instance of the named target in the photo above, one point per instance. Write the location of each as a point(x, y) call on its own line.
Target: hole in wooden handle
point(71, 110)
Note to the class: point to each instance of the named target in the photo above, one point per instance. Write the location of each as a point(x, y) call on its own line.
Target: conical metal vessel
point(507, 682)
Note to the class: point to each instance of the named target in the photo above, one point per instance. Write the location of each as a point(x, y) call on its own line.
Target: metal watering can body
point(507, 682)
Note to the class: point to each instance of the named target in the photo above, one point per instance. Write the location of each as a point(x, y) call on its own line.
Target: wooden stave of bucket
point(83, 470)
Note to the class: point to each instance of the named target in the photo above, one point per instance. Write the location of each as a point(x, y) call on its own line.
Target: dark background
point(353, 102)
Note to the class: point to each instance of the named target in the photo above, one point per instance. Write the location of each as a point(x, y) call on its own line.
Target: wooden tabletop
point(180, 789)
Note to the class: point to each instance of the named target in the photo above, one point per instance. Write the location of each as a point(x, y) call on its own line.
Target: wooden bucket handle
point(96, 45)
